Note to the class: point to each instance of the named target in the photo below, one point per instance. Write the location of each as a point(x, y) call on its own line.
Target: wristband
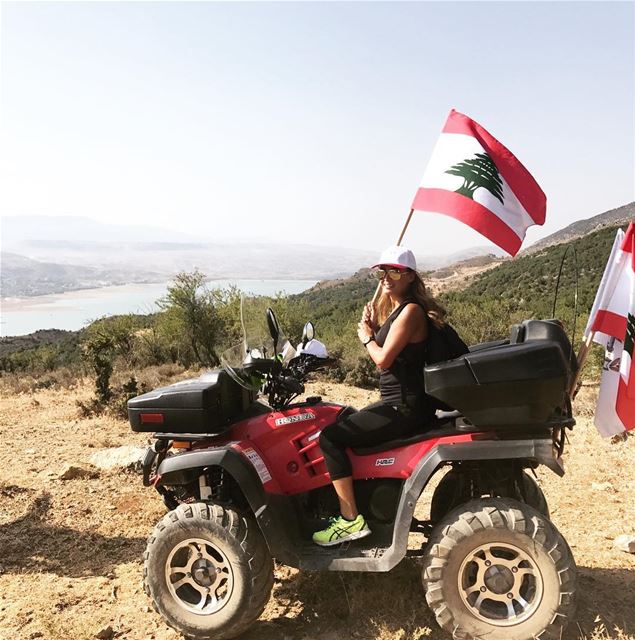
point(371, 339)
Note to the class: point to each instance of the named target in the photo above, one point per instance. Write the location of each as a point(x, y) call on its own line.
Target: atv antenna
point(401, 235)
point(555, 297)
point(575, 299)
point(242, 322)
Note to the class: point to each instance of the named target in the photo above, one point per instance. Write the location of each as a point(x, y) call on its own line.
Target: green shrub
point(364, 374)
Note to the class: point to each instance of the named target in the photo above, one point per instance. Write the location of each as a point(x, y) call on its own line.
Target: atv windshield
point(249, 361)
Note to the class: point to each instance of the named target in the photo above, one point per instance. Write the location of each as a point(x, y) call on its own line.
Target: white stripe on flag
point(452, 148)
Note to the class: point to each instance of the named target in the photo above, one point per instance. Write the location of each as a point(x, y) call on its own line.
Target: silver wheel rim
point(199, 576)
point(500, 584)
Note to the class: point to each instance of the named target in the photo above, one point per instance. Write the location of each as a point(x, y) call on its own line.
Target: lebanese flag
point(615, 297)
point(472, 177)
point(608, 313)
point(612, 324)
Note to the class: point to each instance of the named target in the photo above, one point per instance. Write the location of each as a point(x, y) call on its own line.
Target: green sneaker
point(342, 530)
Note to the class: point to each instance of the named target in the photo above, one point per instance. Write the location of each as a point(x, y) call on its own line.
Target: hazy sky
point(307, 122)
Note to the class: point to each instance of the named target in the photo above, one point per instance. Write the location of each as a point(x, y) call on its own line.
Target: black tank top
point(403, 383)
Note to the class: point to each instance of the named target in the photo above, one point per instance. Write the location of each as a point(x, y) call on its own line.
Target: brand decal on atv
point(384, 462)
point(259, 465)
point(298, 417)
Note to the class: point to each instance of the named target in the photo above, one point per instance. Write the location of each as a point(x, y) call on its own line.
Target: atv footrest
point(357, 555)
point(349, 556)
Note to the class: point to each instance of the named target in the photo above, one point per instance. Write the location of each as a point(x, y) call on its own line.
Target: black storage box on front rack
point(202, 405)
point(517, 384)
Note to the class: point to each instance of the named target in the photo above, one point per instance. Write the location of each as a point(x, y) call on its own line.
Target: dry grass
point(70, 552)
point(61, 378)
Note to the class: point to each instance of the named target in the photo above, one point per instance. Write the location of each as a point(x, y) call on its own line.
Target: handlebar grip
point(293, 385)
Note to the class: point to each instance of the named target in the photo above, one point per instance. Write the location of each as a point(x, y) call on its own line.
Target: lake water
point(73, 309)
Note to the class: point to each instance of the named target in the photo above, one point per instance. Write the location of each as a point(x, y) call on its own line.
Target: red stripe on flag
point(469, 212)
point(521, 182)
point(612, 324)
point(625, 405)
point(628, 244)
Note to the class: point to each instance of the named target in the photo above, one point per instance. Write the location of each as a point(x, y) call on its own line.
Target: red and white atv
point(245, 482)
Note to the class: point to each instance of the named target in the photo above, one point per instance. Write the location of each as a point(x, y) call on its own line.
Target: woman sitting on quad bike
point(395, 333)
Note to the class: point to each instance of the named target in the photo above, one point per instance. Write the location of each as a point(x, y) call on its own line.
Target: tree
point(104, 340)
point(478, 172)
point(193, 315)
point(98, 350)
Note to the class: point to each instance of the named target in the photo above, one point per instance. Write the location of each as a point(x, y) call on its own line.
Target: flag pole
point(403, 231)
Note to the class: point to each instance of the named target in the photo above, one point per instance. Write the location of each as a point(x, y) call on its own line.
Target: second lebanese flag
point(612, 324)
point(474, 178)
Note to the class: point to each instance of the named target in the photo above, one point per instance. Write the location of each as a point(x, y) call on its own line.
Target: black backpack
point(443, 344)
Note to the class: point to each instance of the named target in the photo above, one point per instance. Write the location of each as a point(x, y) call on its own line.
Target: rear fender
point(537, 451)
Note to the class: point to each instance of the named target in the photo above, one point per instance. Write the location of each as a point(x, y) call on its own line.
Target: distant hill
point(21, 277)
point(20, 232)
point(621, 215)
point(460, 273)
point(364, 281)
point(38, 339)
point(68, 253)
point(525, 288)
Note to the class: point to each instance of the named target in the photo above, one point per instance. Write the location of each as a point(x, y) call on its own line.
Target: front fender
point(187, 467)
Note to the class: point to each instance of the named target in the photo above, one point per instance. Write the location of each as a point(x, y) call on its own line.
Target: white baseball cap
point(397, 257)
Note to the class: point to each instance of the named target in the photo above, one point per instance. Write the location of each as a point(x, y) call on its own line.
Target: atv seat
point(446, 423)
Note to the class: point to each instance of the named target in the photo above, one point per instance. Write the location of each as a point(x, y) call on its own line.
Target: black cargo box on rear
point(520, 383)
point(201, 405)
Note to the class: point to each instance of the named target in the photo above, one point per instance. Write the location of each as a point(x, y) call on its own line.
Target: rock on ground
point(126, 457)
point(625, 543)
point(71, 472)
point(602, 486)
point(105, 633)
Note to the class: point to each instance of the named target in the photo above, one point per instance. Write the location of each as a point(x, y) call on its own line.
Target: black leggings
point(374, 424)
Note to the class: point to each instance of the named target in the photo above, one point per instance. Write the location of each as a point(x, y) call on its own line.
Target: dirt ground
point(70, 551)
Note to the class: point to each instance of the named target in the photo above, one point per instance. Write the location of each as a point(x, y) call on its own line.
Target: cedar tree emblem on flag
point(472, 177)
point(478, 172)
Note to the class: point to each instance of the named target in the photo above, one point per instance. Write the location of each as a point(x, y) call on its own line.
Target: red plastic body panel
point(284, 448)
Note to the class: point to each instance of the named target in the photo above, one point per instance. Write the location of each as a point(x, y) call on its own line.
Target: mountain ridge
point(42, 255)
point(46, 258)
point(619, 215)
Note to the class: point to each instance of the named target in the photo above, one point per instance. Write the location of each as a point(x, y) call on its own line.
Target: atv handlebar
point(284, 383)
point(291, 384)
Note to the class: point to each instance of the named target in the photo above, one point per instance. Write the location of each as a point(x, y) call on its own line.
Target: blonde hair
point(419, 293)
